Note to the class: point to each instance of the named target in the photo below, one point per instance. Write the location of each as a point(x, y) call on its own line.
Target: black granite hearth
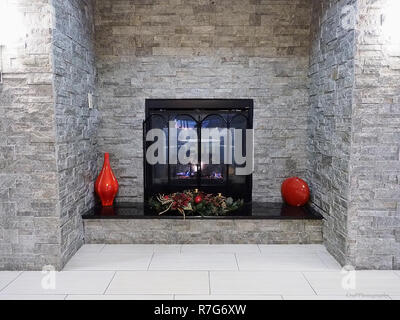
point(249, 211)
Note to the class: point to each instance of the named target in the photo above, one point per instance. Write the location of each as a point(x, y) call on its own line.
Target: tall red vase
point(106, 185)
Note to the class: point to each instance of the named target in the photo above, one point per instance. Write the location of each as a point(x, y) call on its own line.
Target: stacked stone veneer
point(354, 165)
point(324, 75)
point(331, 100)
point(74, 78)
point(203, 231)
point(29, 223)
point(46, 133)
point(374, 210)
point(205, 49)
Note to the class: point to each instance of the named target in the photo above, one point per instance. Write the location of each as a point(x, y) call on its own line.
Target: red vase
point(295, 192)
point(106, 185)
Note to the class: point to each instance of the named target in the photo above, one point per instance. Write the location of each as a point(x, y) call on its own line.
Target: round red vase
point(295, 192)
point(106, 185)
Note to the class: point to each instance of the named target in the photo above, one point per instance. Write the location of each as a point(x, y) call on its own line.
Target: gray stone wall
point(354, 132)
point(330, 114)
point(374, 212)
point(47, 133)
point(29, 212)
point(207, 231)
point(331, 95)
point(205, 49)
point(74, 70)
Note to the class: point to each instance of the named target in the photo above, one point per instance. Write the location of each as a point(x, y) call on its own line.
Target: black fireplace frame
point(152, 106)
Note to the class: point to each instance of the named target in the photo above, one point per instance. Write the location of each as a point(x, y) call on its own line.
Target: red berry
point(198, 199)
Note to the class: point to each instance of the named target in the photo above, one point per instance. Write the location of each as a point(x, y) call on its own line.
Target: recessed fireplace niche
point(191, 116)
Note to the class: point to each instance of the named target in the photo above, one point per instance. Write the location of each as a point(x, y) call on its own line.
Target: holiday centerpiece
point(194, 202)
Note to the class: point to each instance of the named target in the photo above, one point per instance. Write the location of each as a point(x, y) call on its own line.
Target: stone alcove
point(323, 76)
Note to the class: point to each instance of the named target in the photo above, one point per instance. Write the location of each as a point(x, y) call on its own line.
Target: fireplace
point(172, 125)
point(201, 132)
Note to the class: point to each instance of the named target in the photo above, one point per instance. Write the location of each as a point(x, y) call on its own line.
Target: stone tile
point(346, 297)
point(220, 248)
point(90, 248)
point(120, 297)
point(280, 262)
point(109, 261)
point(65, 282)
point(33, 297)
point(140, 248)
point(6, 277)
point(329, 261)
point(291, 248)
point(202, 261)
point(366, 283)
point(226, 297)
point(259, 283)
point(167, 248)
point(159, 282)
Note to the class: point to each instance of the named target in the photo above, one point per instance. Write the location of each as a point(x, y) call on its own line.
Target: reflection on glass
point(184, 171)
point(213, 150)
point(159, 173)
point(238, 122)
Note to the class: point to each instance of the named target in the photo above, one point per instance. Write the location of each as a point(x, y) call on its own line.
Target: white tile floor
point(201, 272)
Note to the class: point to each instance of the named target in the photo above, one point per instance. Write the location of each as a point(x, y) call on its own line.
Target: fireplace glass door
point(198, 146)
